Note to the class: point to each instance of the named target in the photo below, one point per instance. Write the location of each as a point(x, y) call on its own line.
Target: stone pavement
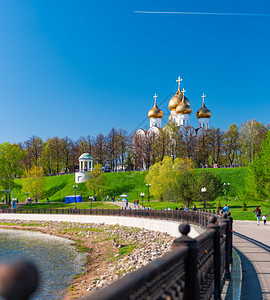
point(123, 204)
point(252, 243)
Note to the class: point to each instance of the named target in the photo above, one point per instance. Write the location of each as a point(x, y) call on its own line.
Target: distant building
point(85, 165)
point(180, 109)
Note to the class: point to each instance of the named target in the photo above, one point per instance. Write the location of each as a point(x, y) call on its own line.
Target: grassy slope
point(128, 182)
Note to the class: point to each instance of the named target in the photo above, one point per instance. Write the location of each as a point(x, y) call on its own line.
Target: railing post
point(191, 290)
point(227, 246)
point(231, 227)
point(217, 258)
point(18, 280)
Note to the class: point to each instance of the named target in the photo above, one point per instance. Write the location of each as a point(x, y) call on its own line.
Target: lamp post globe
point(142, 195)
point(203, 190)
point(226, 185)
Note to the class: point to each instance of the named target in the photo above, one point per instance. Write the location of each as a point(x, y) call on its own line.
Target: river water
point(57, 260)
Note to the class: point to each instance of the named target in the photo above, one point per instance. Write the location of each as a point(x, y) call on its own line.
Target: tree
point(185, 189)
point(258, 179)
point(11, 157)
point(163, 175)
point(215, 143)
point(211, 182)
point(66, 145)
point(34, 182)
point(99, 151)
point(95, 179)
point(231, 143)
point(53, 155)
point(252, 134)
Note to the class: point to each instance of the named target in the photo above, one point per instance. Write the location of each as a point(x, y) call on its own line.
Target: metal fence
point(194, 269)
point(199, 218)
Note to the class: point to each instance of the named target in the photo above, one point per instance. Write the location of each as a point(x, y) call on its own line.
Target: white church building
point(180, 109)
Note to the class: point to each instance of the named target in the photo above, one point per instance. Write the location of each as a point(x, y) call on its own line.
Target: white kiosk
point(85, 165)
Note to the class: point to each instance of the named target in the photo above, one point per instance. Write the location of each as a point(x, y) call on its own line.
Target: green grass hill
point(133, 183)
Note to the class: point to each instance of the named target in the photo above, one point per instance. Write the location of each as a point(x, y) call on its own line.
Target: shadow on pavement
point(251, 288)
point(255, 242)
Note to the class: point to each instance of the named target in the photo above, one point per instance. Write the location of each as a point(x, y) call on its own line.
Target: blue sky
point(73, 68)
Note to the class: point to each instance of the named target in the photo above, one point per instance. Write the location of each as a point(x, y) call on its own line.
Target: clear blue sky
point(73, 68)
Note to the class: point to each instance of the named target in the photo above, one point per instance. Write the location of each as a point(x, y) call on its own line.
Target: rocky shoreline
point(112, 250)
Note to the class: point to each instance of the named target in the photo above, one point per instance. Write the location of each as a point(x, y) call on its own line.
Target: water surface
point(57, 260)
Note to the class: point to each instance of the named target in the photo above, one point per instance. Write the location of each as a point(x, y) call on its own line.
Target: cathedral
point(180, 109)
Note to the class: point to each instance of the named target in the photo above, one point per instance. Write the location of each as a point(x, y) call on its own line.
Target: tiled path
point(253, 245)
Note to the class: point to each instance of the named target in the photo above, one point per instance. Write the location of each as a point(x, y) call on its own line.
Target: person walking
point(226, 208)
point(264, 219)
point(258, 214)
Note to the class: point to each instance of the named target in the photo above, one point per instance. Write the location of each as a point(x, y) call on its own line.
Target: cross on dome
point(179, 81)
point(155, 96)
point(183, 92)
point(203, 96)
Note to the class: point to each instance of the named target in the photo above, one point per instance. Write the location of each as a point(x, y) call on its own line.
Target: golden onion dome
point(203, 112)
point(155, 112)
point(176, 100)
point(183, 107)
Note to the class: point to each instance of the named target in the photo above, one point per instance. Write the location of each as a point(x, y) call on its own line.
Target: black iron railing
point(199, 218)
point(194, 269)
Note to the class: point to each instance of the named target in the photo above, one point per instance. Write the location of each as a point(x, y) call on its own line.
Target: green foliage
point(10, 158)
point(258, 179)
point(212, 182)
point(185, 189)
point(34, 182)
point(95, 180)
point(163, 176)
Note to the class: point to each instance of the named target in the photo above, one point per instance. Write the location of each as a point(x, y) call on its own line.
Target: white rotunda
point(85, 165)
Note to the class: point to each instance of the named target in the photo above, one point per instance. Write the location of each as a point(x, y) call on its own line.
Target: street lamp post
point(26, 195)
point(142, 195)
point(203, 190)
point(148, 185)
point(91, 199)
point(226, 185)
point(75, 188)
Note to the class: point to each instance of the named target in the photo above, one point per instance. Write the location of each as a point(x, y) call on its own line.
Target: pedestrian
point(48, 200)
point(186, 208)
point(264, 219)
point(36, 200)
point(181, 208)
point(226, 208)
point(108, 198)
point(258, 214)
point(134, 202)
point(194, 208)
point(137, 202)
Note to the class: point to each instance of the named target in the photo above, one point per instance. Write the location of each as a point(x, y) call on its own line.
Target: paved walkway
point(123, 204)
point(253, 245)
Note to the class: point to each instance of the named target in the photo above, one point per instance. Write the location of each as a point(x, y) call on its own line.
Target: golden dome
point(183, 107)
point(203, 112)
point(155, 112)
point(176, 100)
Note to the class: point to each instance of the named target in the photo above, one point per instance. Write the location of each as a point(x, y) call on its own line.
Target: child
point(264, 219)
